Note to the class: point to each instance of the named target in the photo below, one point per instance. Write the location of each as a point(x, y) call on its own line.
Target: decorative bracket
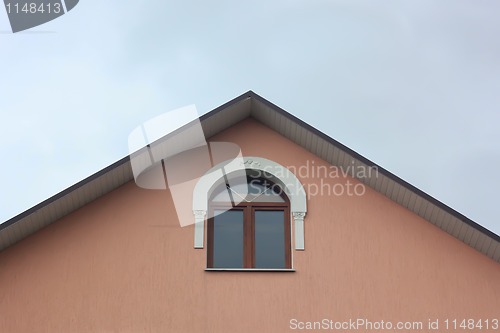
point(199, 228)
point(298, 218)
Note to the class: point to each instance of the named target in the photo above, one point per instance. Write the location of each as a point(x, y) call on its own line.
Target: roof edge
point(116, 164)
point(64, 192)
point(253, 95)
point(381, 169)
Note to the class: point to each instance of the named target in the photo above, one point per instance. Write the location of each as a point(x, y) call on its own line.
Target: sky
point(413, 86)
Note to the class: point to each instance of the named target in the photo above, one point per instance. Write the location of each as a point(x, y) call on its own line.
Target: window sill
point(249, 270)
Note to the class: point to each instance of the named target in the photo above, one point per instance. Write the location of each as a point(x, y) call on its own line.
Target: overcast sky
point(412, 85)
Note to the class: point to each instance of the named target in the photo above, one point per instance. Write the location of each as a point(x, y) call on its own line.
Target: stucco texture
point(123, 264)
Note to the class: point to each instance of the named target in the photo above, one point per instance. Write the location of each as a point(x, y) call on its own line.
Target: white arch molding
point(280, 175)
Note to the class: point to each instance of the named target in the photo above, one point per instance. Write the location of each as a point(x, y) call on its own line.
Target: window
point(256, 167)
point(250, 227)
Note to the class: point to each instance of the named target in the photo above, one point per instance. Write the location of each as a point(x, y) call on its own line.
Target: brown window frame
point(249, 209)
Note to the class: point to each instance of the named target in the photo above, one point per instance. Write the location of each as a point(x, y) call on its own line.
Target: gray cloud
point(411, 85)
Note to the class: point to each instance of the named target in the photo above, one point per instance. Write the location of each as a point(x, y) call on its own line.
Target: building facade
point(109, 256)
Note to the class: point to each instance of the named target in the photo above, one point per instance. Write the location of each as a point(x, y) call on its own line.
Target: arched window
point(250, 226)
point(213, 185)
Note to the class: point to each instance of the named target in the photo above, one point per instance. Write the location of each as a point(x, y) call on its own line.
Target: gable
point(123, 262)
point(290, 127)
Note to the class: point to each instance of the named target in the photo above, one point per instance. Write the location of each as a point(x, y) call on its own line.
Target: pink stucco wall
point(123, 264)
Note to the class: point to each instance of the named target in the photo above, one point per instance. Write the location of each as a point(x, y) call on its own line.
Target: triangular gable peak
point(252, 105)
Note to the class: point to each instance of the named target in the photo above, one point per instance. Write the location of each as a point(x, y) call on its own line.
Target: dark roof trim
point(64, 192)
point(380, 169)
point(251, 94)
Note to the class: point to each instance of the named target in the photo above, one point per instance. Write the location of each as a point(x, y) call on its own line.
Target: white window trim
point(281, 175)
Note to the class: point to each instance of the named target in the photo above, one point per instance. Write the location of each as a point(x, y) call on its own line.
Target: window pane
point(264, 192)
point(254, 190)
point(269, 239)
point(235, 194)
point(228, 239)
